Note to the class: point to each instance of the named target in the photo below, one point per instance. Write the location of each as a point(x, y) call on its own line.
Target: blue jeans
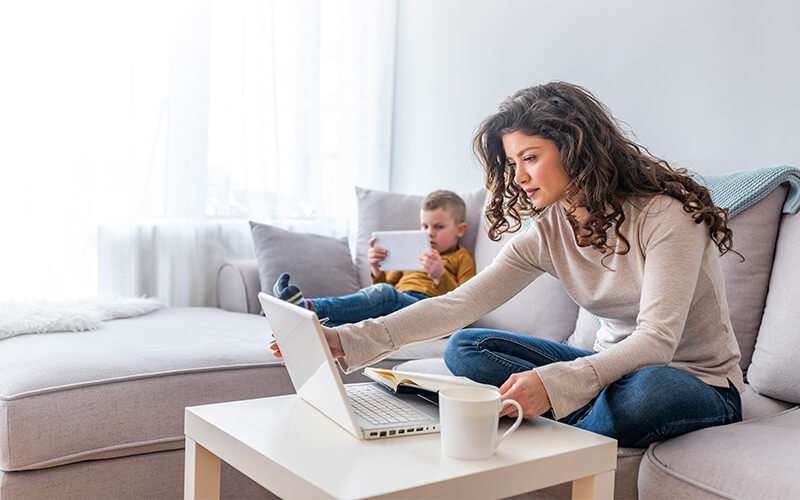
point(651, 404)
point(371, 302)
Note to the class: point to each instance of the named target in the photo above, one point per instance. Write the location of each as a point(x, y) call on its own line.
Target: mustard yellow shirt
point(459, 266)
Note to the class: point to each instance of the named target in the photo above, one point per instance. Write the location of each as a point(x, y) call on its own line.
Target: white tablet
point(405, 248)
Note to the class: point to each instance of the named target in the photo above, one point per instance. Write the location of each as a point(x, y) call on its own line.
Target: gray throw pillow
point(384, 211)
point(320, 265)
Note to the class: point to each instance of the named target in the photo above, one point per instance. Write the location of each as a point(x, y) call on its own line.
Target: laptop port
point(373, 433)
point(419, 429)
point(383, 434)
point(401, 431)
point(391, 433)
point(410, 430)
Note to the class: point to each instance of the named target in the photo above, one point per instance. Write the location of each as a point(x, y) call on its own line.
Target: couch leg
point(201, 473)
point(600, 486)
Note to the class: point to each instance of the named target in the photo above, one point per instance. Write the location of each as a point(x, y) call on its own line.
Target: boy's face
point(443, 232)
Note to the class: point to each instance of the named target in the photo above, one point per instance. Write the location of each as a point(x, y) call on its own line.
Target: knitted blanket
point(740, 190)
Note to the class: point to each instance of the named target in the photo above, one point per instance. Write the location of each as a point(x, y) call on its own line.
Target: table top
point(292, 449)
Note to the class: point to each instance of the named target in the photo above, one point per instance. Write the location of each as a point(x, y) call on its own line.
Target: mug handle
point(516, 424)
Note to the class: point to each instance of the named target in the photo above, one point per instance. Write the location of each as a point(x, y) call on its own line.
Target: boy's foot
point(290, 293)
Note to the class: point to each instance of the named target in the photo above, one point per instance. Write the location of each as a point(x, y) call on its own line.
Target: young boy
point(446, 266)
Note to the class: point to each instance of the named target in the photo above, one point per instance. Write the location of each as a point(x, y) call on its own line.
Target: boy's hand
point(375, 255)
point(432, 264)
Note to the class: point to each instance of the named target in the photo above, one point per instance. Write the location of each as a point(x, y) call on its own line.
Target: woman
point(631, 239)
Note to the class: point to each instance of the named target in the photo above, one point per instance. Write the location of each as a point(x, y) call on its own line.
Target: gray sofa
point(100, 414)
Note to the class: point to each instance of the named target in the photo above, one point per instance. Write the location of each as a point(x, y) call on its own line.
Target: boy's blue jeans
point(651, 404)
point(371, 302)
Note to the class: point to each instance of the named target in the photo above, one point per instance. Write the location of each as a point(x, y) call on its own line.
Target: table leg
point(201, 473)
point(597, 487)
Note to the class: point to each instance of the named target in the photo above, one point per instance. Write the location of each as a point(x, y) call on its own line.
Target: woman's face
point(539, 171)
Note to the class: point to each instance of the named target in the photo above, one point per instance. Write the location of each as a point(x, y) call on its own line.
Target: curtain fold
point(142, 134)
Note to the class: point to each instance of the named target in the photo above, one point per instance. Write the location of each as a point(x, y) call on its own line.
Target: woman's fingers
point(508, 384)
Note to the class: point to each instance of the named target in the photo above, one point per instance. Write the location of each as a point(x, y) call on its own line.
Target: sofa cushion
point(754, 233)
point(755, 405)
point(121, 390)
point(753, 459)
point(383, 211)
point(775, 370)
point(320, 265)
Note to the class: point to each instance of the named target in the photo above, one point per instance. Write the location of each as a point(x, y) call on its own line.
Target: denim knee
point(383, 292)
point(457, 346)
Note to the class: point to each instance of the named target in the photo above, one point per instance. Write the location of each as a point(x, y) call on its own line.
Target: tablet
point(405, 248)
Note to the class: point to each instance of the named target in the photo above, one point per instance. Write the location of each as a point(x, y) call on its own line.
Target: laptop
point(366, 410)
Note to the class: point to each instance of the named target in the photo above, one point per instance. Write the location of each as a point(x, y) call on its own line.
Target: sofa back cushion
point(320, 265)
point(384, 211)
point(542, 309)
point(775, 370)
point(754, 233)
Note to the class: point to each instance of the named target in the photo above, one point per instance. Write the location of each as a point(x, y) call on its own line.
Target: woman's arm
point(674, 250)
point(515, 267)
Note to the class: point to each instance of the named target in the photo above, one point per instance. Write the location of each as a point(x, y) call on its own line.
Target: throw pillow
point(320, 265)
point(383, 211)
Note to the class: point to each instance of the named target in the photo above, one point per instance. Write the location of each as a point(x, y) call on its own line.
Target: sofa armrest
point(238, 286)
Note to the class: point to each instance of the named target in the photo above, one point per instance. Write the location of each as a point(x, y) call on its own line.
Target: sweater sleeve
point(674, 247)
point(514, 268)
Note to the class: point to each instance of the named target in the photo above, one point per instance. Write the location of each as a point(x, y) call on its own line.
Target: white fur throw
point(18, 318)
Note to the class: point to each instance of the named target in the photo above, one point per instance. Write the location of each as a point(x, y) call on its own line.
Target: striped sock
point(290, 293)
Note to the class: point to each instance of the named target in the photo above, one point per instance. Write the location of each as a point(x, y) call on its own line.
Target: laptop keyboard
point(380, 408)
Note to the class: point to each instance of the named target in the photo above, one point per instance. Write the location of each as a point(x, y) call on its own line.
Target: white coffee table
point(291, 449)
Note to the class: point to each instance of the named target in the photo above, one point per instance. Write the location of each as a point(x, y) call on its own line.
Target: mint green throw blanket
point(740, 190)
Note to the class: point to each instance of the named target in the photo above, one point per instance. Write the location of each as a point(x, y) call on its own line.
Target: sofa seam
point(662, 467)
point(76, 457)
point(126, 378)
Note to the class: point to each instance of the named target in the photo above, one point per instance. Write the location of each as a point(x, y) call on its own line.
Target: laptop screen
point(308, 359)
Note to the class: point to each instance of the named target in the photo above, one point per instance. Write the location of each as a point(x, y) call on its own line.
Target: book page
point(392, 378)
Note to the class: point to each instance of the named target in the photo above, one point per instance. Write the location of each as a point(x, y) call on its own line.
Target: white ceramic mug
point(468, 421)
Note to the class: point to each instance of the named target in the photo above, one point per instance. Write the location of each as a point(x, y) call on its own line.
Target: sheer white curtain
point(163, 125)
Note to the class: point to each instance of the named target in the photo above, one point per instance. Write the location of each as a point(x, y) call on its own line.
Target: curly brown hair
point(605, 167)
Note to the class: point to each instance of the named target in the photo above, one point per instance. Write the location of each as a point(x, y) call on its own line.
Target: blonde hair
point(449, 201)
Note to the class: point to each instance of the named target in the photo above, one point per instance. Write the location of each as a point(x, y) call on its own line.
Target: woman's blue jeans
point(651, 404)
point(371, 302)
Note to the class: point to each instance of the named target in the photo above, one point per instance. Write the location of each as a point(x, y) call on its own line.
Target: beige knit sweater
point(663, 303)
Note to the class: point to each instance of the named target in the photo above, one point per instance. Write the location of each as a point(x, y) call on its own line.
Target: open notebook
point(414, 382)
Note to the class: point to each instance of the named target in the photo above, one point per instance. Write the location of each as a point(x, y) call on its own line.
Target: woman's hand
point(375, 255)
point(527, 389)
point(331, 335)
point(432, 264)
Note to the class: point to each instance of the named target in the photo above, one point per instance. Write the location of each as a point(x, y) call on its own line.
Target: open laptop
point(366, 410)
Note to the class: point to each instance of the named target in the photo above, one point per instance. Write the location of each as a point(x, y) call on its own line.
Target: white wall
point(711, 85)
